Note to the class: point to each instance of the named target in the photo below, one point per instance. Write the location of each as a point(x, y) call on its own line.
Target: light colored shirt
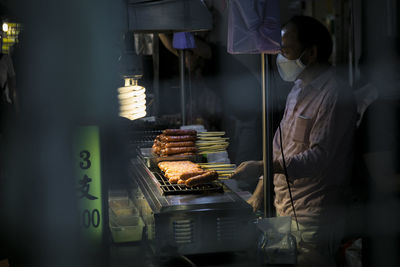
point(317, 132)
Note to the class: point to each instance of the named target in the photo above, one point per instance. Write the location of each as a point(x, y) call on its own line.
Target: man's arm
point(248, 170)
point(257, 197)
point(167, 42)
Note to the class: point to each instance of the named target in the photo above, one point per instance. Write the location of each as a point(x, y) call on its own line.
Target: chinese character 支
point(84, 188)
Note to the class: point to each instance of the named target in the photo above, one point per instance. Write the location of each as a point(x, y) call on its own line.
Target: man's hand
point(255, 201)
point(248, 169)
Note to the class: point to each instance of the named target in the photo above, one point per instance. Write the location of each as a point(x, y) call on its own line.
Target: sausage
point(177, 150)
point(180, 181)
point(173, 179)
point(202, 178)
point(156, 149)
point(179, 144)
point(179, 132)
point(183, 155)
point(178, 138)
point(188, 175)
point(158, 142)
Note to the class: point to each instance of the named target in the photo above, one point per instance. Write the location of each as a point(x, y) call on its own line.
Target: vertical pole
point(182, 76)
point(156, 74)
point(267, 135)
point(351, 45)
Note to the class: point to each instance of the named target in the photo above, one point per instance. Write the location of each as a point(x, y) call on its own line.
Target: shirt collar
point(318, 82)
point(299, 84)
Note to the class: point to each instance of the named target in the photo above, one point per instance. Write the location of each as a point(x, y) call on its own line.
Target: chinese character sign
point(88, 181)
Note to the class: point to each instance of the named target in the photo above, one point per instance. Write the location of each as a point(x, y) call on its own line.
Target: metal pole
point(267, 136)
point(182, 76)
point(156, 75)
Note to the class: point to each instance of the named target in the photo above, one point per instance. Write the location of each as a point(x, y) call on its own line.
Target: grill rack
point(174, 189)
point(143, 137)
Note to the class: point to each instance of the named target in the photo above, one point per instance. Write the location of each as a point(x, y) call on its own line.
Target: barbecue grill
point(202, 219)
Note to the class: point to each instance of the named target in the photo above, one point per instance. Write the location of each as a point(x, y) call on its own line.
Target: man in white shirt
point(317, 131)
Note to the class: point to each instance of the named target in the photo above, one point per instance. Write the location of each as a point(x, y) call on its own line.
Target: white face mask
point(288, 69)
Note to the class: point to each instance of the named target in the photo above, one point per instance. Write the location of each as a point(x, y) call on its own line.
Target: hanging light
point(132, 99)
point(5, 27)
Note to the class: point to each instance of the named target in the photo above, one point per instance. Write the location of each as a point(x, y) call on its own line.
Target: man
point(317, 131)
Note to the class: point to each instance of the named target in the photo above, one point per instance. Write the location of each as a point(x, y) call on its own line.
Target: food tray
point(126, 225)
point(118, 198)
point(126, 229)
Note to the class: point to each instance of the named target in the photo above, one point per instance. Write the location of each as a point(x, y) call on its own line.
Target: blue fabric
point(183, 40)
point(254, 27)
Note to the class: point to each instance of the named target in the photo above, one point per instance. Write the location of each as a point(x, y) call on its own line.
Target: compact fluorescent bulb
point(132, 100)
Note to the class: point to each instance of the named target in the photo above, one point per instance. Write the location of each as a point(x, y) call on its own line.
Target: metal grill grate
point(170, 189)
point(143, 138)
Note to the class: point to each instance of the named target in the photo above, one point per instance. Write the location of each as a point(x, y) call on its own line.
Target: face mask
point(288, 69)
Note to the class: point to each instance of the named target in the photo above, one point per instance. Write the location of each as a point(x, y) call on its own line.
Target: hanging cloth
point(254, 27)
point(183, 40)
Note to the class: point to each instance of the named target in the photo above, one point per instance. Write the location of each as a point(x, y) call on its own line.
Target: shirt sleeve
point(334, 121)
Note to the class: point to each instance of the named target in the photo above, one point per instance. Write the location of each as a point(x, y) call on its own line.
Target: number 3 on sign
point(85, 155)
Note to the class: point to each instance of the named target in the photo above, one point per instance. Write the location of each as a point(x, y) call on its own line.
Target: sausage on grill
point(202, 178)
point(188, 175)
point(177, 150)
point(177, 138)
point(179, 144)
point(173, 179)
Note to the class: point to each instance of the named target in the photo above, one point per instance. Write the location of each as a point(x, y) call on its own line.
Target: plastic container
point(118, 199)
point(126, 229)
point(126, 225)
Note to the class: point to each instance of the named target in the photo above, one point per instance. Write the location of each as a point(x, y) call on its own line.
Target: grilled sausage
point(179, 132)
point(180, 181)
point(179, 144)
point(183, 155)
point(156, 149)
point(202, 178)
point(158, 142)
point(178, 138)
point(177, 150)
point(173, 180)
point(188, 175)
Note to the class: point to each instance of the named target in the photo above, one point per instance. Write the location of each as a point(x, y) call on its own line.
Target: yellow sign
point(88, 182)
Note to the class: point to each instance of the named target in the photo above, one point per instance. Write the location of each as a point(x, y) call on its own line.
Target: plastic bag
point(276, 244)
point(353, 254)
point(254, 27)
